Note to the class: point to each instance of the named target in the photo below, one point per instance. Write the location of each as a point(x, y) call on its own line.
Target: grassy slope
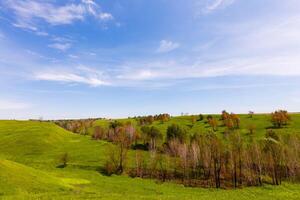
point(28, 179)
point(261, 122)
point(28, 168)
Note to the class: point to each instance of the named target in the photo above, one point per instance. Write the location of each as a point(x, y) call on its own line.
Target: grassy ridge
point(260, 121)
point(29, 153)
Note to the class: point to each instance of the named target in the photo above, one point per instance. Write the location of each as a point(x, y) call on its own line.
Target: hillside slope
point(261, 122)
point(18, 178)
point(29, 154)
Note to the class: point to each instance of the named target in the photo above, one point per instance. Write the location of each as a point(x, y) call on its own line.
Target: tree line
point(203, 159)
point(209, 160)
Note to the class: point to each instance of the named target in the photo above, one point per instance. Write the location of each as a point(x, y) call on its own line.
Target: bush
point(280, 118)
point(176, 132)
point(201, 117)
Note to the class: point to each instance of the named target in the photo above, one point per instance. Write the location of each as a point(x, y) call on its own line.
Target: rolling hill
point(29, 160)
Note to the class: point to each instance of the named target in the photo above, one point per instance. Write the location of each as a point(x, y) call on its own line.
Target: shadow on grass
point(143, 147)
point(103, 171)
point(276, 127)
point(61, 166)
point(99, 169)
point(84, 167)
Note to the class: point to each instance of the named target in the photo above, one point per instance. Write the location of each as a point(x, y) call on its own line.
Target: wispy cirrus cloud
point(79, 75)
point(60, 46)
point(285, 65)
point(29, 13)
point(236, 59)
point(209, 6)
point(25, 25)
point(167, 46)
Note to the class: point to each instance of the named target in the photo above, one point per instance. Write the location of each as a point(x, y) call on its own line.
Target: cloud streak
point(29, 13)
point(81, 75)
point(210, 6)
point(285, 65)
point(166, 46)
point(60, 46)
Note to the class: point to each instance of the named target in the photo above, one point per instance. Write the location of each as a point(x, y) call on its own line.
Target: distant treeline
point(79, 126)
point(146, 120)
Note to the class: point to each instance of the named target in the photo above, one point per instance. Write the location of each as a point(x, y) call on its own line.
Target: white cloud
point(89, 2)
point(144, 74)
point(105, 16)
point(12, 105)
point(281, 65)
point(257, 48)
point(37, 55)
point(284, 33)
point(167, 46)
point(93, 8)
point(28, 12)
point(209, 6)
point(25, 25)
point(83, 75)
point(60, 46)
point(61, 39)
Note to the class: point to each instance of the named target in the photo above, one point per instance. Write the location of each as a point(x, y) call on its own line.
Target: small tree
point(117, 154)
point(236, 147)
point(176, 132)
point(235, 119)
point(280, 118)
point(225, 115)
point(152, 135)
point(131, 132)
point(273, 152)
point(213, 122)
point(114, 125)
point(140, 164)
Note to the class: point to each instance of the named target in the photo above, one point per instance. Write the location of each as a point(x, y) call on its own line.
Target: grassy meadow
point(30, 152)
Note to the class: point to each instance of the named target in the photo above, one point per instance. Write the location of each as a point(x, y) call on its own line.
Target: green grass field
point(29, 154)
point(260, 121)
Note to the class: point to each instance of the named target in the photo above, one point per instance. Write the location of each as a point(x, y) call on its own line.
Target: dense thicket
point(79, 126)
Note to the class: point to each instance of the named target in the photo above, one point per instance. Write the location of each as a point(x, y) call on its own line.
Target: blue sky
point(119, 58)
